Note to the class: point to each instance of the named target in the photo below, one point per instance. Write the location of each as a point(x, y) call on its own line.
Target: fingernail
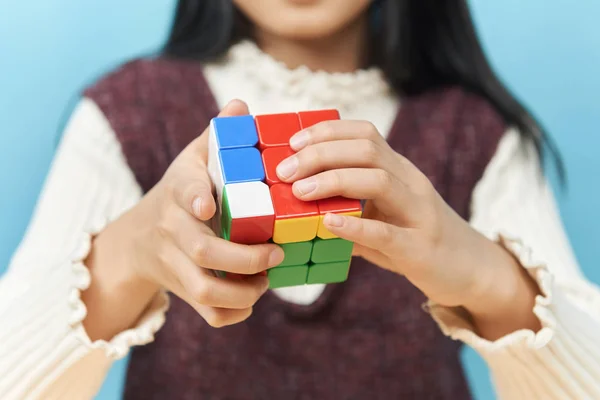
point(275, 258)
point(197, 207)
point(287, 168)
point(306, 186)
point(334, 220)
point(299, 140)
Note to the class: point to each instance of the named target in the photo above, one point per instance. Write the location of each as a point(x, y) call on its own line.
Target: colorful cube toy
point(256, 207)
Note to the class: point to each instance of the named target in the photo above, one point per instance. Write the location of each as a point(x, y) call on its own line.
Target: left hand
point(407, 227)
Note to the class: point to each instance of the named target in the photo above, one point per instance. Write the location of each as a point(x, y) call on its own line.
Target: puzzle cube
point(256, 207)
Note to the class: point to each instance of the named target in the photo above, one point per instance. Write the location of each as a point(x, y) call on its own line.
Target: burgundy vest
point(367, 338)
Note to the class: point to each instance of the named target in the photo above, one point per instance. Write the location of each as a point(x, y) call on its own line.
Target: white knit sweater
point(45, 352)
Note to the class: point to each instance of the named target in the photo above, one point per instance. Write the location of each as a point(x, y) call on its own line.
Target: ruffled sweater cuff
point(561, 360)
point(50, 315)
point(142, 333)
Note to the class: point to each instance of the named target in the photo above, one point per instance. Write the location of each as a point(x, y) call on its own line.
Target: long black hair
point(419, 45)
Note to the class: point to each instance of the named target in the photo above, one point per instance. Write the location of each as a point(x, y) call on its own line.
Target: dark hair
point(419, 44)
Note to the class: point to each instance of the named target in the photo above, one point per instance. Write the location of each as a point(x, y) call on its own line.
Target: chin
point(304, 28)
point(303, 19)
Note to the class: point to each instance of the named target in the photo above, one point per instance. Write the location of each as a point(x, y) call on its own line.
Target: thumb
point(193, 186)
point(233, 109)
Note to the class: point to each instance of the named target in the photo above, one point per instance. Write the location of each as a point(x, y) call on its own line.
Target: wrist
point(504, 300)
point(117, 258)
point(117, 295)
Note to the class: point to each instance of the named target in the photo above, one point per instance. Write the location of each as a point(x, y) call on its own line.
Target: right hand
point(172, 246)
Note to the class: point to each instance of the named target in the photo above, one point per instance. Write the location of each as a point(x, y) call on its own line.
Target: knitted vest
point(367, 338)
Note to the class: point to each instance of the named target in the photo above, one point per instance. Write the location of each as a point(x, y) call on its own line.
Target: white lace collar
point(322, 88)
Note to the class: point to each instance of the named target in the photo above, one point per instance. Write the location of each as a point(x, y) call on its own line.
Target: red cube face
point(276, 129)
point(310, 118)
point(288, 206)
point(272, 156)
point(338, 205)
point(254, 230)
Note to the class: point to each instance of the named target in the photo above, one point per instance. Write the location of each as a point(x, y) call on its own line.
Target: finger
point(206, 250)
point(331, 155)
point(206, 289)
point(335, 130)
point(215, 317)
point(193, 189)
point(221, 317)
point(368, 233)
point(355, 183)
point(194, 194)
point(373, 256)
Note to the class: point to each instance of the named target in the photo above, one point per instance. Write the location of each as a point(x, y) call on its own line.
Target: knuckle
point(385, 179)
point(201, 292)
point(201, 251)
point(165, 224)
point(256, 260)
point(163, 228)
point(318, 156)
point(420, 185)
point(327, 129)
point(337, 180)
point(164, 256)
point(370, 151)
point(386, 232)
point(371, 131)
point(308, 156)
point(315, 153)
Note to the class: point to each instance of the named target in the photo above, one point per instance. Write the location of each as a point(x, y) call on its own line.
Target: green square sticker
point(287, 276)
point(296, 253)
point(331, 250)
point(328, 273)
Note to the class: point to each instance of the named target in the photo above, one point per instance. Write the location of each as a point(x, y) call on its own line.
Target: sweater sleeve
point(44, 349)
point(514, 205)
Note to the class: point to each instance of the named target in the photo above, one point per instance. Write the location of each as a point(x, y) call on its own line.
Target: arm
point(463, 268)
point(514, 206)
point(45, 351)
point(71, 301)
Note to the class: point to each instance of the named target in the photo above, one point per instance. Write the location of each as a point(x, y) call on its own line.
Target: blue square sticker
point(242, 165)
point(235, 132)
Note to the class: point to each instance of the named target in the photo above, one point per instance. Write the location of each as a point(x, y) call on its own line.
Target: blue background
point(548, 52)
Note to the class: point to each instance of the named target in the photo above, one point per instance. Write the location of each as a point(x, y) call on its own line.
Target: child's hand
point(407, 227)
point(165, 242)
